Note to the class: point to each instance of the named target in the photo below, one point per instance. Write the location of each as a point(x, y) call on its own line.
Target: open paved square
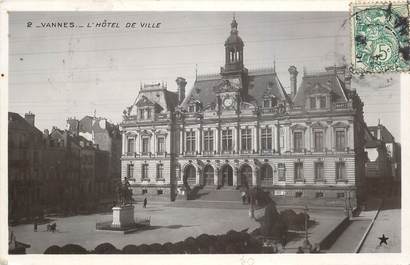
point(169, 224)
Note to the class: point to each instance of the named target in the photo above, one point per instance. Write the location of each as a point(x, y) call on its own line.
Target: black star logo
point(383, 239)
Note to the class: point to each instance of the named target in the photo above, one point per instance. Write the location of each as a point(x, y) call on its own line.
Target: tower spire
point(196, 72)
point(274, 64)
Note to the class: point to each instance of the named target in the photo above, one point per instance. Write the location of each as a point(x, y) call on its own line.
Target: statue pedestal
point(122, 216)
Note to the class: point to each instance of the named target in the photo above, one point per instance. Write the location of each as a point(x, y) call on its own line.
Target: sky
point(58, 73)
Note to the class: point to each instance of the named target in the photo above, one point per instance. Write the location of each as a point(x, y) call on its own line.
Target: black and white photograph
point(187, 132)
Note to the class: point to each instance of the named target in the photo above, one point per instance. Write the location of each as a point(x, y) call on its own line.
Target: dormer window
point(322, 101)
point(142, 114)
point(267, 103)
point(318, 102)
point(191, 108)
point(148, 113)
point(313, 103)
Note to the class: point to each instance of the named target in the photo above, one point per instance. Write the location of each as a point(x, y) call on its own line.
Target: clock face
point(228, 102)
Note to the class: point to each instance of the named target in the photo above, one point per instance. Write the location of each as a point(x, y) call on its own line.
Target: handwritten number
point(29, 24)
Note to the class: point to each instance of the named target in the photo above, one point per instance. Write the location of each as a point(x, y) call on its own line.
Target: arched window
point(266, 175)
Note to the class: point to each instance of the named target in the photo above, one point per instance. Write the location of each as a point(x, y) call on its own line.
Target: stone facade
point(240, 128)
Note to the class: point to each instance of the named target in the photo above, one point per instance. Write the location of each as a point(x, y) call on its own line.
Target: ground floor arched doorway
point(246, 176)
point(227, 176)
point(190, 175)
point(208, 175)
point(266, 175)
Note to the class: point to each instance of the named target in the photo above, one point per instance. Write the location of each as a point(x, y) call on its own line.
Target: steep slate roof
point(320, 82)
point(385, 134)
point(259, 82)
point(167, 100)
point(17, 122)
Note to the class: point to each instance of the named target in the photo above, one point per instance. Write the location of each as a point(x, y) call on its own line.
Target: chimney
point(293, 80)
point(181, 83)
point(29, 117)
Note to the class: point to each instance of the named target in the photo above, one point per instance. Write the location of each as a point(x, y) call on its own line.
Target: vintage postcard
point(195, 133)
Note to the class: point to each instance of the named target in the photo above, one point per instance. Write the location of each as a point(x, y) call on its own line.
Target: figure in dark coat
point(145, 202)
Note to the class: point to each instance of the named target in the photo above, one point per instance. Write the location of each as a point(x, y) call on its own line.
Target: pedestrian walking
point(145, 202)
point(35, 226)
point(243, 195)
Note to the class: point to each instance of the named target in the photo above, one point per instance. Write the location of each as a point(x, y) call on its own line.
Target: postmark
point(380, 37)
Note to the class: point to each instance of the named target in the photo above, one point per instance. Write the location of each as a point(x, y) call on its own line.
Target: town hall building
point(239, 129)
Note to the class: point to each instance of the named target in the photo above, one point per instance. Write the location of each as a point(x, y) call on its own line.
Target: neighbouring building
point(108, 138)
point(68, 178)
point(240, 128)
point(25, 179)
point(384, 167)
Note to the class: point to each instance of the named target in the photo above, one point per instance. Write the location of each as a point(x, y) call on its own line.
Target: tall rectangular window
point(142, 114)
point(161, 145)
point(322, 101)
point(131, 145)
point(130, 171)
point(340, 171)
point(160, 171)
point(190, 142)
point(144, 171)
point(282, 138)
point(246, 139)
point(319, 171)
point(281, 172)
point(298, 141)
point(340, 141)
point(208, 141)
point(318, 141)
point(267, 103)
point(227, 140)
point(313, 103)
point(145, 145)
point(266, 139)
point(298, 171)
point(148, 113)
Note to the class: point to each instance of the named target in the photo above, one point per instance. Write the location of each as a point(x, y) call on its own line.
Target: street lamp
point(306, 243)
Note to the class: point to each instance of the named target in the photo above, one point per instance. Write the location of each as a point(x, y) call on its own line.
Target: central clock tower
point(233, 86)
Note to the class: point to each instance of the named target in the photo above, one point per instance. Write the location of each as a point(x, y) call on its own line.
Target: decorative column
point(181, 141)
point(216, 176)
point(152, 142)
point(198, 175)
point(236, 139)
point(350, 142)
point(215, 134)
point(289, 140)
point(235, 176)
point(254, 176)
point(168, 142)
point(124, 143)
point(309, 137)
point(219, 138)
point(255, 138)
point(200, 139)
point(277, 137)
point(139, 150)
point(332, 142)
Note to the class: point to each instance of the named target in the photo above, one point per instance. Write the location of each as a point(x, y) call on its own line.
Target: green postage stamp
point(380, 37)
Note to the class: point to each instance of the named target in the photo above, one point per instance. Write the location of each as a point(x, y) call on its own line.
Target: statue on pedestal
point(124, 193)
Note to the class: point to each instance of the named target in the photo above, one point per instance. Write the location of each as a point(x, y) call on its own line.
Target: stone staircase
point(224, 194)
